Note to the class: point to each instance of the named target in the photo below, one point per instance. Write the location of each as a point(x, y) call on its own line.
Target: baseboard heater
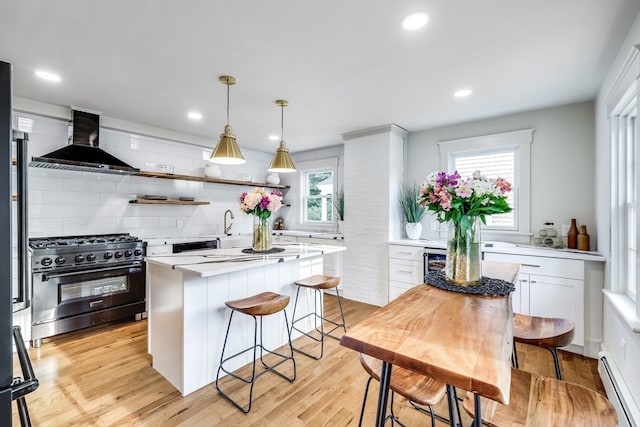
point(618, 392)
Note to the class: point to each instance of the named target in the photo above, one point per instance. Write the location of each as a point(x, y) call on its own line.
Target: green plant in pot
point(338, 203)
point(411, 209)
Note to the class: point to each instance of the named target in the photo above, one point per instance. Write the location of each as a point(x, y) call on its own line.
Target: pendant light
point(227, 152)
point(281, 162)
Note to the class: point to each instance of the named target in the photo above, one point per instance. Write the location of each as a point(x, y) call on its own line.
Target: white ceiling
point(344, 65)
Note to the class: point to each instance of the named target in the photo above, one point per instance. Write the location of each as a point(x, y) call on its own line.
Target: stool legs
point(392, 416)
point(268, 368)
point(554, 354)
point(317, 315)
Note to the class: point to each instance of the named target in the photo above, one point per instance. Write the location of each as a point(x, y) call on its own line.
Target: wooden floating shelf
point(149, 174)
point(168, 202)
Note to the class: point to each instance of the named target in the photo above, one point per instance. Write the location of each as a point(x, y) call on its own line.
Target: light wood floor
point(103, 377)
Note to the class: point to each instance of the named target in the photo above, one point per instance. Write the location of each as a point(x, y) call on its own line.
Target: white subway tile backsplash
point(70, 197)
point(66, 202)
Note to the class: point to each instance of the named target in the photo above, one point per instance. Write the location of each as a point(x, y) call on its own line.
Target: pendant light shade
point(282, 162)
point(227, 152)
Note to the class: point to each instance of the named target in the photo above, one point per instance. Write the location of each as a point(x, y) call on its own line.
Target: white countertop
point(211, 262)
point(314, 234)
point(158, 241)
point(511, 248)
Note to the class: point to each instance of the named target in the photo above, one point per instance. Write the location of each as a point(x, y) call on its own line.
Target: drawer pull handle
point(524, 280)
point(404, 252)
point(405, 271)
point(533, 281)
point(530, 265)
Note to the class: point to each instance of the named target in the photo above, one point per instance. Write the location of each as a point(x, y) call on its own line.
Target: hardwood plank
point(102, 376)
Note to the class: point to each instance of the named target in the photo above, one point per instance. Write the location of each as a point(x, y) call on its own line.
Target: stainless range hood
point(84, 154)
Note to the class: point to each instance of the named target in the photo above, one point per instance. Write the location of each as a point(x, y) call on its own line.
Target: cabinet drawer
point(406, 271)
point(413, 253)
point(556, 267)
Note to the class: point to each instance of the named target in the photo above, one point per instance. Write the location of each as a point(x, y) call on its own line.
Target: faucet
point(227, 228)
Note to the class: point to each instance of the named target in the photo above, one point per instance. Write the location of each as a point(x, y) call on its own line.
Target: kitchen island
point(186, 293)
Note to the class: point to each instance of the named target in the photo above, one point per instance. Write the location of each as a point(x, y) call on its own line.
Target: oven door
point(58, 295)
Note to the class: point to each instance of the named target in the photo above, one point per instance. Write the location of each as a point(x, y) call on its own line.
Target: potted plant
point(338, 202)
point(411, 209)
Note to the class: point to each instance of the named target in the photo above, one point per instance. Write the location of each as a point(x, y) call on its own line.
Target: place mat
point(488, 286)
point(270, 251)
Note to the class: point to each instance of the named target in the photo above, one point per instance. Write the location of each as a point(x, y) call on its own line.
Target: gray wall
point(562, 161)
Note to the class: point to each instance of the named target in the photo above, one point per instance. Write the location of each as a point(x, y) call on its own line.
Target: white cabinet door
point(559, 297)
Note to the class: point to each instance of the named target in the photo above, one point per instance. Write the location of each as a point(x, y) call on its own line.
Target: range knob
point(108, 255)
point(137, 252)
point(79, 258)
point(60, 260)
point(46, 261)
point(91, 257)
point(128, 253)
point(118, 254)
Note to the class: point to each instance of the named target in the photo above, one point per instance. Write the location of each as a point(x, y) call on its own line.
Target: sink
point(235, 241)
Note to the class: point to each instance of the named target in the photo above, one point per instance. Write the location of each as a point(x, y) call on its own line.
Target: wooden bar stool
point(545, 332)
point(318, 283)
point(256, 306)
point(543, 401)
point(416, 388)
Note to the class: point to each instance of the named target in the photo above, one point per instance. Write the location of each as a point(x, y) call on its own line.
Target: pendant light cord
point(227, 102)
point(282, 122)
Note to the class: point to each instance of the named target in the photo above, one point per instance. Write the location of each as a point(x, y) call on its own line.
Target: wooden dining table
point(463, 340)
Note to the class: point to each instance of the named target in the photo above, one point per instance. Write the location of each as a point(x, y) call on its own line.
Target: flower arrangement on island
point(261, 205)
point(463, 202)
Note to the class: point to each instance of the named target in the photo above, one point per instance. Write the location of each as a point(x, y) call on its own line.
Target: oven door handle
point(47, 276)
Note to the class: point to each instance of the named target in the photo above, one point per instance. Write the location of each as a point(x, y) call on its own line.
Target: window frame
point(520, 142)
point(306, 168)
point(624, 281)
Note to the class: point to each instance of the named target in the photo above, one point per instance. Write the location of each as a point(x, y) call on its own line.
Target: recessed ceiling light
point(415, 20)
point(47, 75)
point(194, 115)
point(274, 137)
point(462, 93)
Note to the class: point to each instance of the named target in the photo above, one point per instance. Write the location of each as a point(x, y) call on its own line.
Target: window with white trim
point(317, 190)
point(505, 155)
point(624, 125)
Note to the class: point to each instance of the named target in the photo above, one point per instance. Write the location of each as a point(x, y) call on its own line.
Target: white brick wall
point(69, 202)
point(370, 181)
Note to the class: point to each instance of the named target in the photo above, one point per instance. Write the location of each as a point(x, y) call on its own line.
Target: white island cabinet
point(188, 317)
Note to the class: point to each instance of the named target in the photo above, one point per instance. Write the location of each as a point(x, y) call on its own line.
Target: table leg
point(477, 420)
point(451, 398)
point(383, 396)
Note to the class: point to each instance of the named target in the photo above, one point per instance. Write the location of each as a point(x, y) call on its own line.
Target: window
point(318, 196)
point(492, 164)
point(624, 144)
point(503, 155)
point(317, 189)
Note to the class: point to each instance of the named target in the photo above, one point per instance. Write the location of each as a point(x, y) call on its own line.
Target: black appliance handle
point(25, 385)
point(51, 275)
point(22, 300)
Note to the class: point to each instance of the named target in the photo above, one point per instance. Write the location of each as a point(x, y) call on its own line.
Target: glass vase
point(464, 252)
point(261, 234)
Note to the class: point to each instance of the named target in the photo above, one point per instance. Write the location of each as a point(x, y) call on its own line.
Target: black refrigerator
point(13, 210)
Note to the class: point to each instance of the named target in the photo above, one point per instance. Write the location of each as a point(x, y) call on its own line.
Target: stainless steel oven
point(83, 281)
